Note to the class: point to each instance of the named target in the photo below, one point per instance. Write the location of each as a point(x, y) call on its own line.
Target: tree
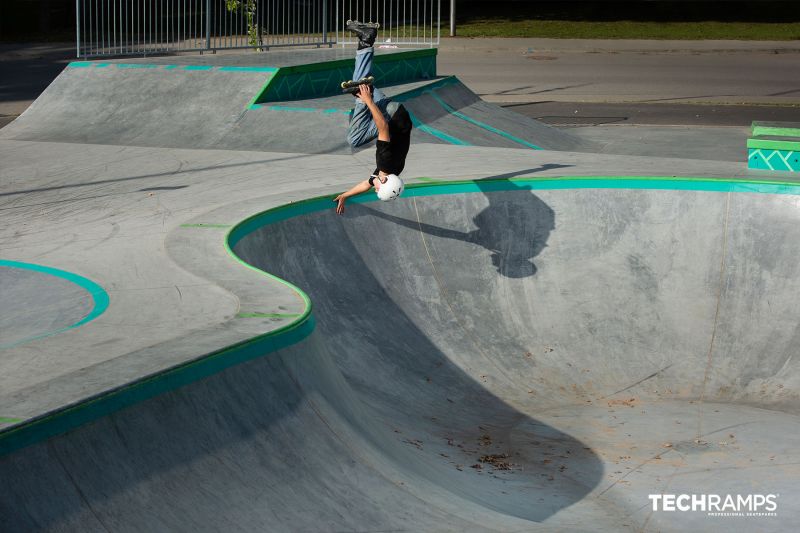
point(249, 7)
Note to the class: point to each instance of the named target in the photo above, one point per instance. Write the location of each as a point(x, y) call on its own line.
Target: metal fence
point(403, 22)
point(144, 27)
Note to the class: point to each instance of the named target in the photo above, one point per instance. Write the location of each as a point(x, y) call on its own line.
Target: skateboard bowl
point(607, 344)
point(493, 359)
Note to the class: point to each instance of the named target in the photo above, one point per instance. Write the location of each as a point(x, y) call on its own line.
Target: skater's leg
point(363, 63)
point(363, 69)
point(362, 126)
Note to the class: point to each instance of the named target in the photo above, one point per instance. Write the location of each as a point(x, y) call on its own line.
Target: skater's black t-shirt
point(390, 156)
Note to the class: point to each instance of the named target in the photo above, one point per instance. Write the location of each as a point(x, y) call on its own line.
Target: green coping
point(59, 422)
point(775, 143)
point(784, 129)
point(50, 425)
point(195, 68)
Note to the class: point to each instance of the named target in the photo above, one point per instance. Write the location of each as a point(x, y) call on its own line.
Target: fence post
point(77, 28)
point(452, 18)
point(208, 24)
point(324, 21)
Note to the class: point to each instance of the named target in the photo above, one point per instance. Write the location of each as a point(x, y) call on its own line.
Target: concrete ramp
point(287, 102)
point(132, 104)
point(506, 355)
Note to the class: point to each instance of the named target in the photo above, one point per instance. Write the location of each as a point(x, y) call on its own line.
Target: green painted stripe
point(430, 130)
point(135, 65)
point(419, 91)
point(99, 296)
point(786, 129)
point(300, 109)
point(248, 69)
point(481, 124)
point(198, 68)
point(294, 109)
point(268, 315)
point(270, 79)
point(769, 144)
point(9, 420)
point(784, 132)
point(51, 425)
point(205, 225)
point(431, 90)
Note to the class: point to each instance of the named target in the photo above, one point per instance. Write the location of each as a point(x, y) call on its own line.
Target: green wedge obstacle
point(774, 146)
point(324, 79)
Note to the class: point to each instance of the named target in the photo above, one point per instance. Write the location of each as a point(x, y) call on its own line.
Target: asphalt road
point(582, 114)
point(706, 72)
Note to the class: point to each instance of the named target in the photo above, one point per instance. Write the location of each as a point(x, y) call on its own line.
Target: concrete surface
point(606, 343)
point(569, 114)
point(681, 142)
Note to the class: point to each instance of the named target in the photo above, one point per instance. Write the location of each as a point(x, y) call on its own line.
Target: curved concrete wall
point(574, 294)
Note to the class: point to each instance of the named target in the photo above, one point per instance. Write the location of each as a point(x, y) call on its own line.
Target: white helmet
point(392, 189)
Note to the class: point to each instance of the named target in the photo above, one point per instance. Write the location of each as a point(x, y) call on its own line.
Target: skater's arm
point(380, 121)
point(364, 186)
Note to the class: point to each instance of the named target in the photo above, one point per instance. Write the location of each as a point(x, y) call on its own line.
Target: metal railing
point(145, 27)
point(403, 22)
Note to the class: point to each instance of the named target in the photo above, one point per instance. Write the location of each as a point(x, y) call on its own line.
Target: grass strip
point(629, 29)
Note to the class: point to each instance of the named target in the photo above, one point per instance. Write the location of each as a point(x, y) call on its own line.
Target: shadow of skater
point(513, 227)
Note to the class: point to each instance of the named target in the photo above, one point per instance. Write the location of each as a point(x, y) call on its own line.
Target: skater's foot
point(366, 32)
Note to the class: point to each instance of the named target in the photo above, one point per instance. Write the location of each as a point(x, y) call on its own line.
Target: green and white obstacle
point(774, 146)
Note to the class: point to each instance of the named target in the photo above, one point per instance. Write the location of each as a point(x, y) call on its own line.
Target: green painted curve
point(99, 296)
point(36, 430)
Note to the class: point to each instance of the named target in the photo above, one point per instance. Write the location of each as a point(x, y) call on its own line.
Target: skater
point(375, 116)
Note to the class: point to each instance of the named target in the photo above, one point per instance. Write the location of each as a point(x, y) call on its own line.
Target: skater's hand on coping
point(340, 205)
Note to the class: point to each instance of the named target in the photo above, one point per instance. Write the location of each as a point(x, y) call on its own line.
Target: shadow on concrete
point(515, 242)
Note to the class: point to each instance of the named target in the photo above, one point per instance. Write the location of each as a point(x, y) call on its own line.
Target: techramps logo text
point(729, 505)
